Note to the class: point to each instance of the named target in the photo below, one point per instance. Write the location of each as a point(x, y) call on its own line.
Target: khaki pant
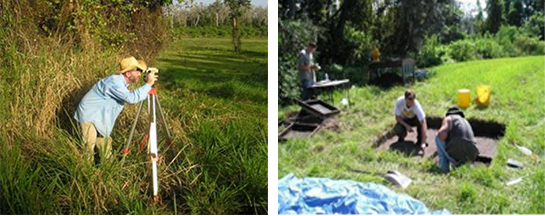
point(91, 139)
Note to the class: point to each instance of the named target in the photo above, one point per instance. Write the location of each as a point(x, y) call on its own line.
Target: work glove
point(152, 76)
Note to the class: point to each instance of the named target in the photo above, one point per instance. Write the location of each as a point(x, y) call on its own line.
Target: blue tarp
point(326, 196)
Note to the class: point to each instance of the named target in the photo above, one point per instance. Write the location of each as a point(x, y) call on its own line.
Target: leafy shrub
point(358, 45)
point(356, 74)
point(293, 35)
point(535, 26)
point(287, 78)
point(520, 41)
point(489, 48)
point(529, 45)
point(335, 68)
point(509, 41)
point(505, 36)
point(462, 50)
point(431, 54)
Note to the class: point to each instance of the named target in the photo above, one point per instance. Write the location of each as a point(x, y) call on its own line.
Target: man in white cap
point(99, 108)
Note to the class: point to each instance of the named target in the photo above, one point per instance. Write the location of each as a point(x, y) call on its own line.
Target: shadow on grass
point(65, 115)
point(408, 148)
point(218, 72)
point(215, 68)
point(229, 51)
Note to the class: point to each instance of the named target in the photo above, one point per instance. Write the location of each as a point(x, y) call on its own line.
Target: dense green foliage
point(136, 26)
point(517, 101)
point(294, 35)
point(509, 41)
point(431, 32)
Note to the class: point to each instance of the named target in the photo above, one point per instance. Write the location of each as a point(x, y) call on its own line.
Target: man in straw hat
point(455, 140)
point(97, 111)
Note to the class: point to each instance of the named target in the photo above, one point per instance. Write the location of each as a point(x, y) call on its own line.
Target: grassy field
point(221, 99)
point(216, 105)
point(518, 98)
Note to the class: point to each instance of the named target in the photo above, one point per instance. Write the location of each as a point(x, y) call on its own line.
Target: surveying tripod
point(153, 103)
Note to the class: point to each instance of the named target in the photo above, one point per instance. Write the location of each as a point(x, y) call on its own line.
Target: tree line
point(432, 32)
point(220, 14)
point(216, 14)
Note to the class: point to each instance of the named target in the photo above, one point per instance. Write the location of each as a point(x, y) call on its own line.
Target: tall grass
point(42, 156)
point(217, 165)
point(517, 100)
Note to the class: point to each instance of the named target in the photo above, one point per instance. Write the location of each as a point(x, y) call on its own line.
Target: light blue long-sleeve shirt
point(103, 103)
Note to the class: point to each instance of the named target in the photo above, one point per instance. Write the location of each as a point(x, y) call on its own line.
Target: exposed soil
point(486, 137)
point(299, 131)
point(305, 125)
point(331, 123)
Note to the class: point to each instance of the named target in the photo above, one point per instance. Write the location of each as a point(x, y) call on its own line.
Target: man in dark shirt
point(455, 140)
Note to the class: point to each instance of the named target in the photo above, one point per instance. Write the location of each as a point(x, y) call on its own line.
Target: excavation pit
point(298, 130)
point(305, 123)
point(487, 135)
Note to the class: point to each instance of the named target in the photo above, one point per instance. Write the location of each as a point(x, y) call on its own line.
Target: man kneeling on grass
point(455, 140)
point(100, 107)
point(408, 113)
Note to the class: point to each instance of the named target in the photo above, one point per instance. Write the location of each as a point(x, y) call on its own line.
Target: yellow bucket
point(483, 95)
point(464, 98)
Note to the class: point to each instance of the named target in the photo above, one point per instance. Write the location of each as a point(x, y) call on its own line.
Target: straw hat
point(130, 63)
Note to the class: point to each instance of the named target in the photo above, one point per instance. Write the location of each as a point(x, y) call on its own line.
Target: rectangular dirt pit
point(486, 133)
point(298, 130)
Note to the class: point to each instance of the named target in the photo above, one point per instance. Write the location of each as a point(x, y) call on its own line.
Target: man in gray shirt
point(455, 140)
point(306, 66)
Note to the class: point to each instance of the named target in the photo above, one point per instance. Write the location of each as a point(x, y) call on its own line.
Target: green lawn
point(518, 100)
point(219, 98)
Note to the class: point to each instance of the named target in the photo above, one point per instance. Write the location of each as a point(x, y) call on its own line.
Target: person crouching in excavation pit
point(100, 107)
point(455, 140)
point(409, 113)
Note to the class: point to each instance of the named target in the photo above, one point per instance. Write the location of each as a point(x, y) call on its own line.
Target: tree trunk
point(236, 35)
